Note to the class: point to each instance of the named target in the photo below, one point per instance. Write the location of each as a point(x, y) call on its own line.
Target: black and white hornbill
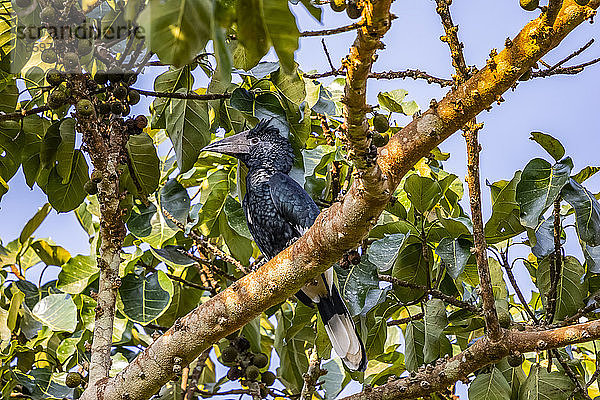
point(278, 211)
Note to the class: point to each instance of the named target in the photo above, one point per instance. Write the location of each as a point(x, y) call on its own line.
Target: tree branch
point(19, 115)
point(483, 352)
point(188, 96)
point(327, 32)
point(312, 375)
point(409, 73)
point(433, 292)
point(344, 224)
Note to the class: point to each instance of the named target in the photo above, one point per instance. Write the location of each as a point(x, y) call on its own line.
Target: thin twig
point(200, 364)
point(409, 73)
point(433, 292)
point(573, 70)
point(572, 55)
point(406, 320)
point(327, 54)
point(579, 386)
point(517, 289)
point(327, 32)
point(555, 264)
point(187, 96)
point(18, 115)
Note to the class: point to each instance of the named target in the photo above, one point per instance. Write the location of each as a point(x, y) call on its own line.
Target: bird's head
point(259, 147)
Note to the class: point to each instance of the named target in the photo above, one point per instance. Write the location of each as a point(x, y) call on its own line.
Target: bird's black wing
point(293, 203)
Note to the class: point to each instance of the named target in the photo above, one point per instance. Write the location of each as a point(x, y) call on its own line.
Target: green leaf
point(42, 384)
point(175, 200)
point(322, 341)
point(359, 285)
point(240, 247)
point(543, 385)
point(316, 159)
point(283, 32)
point(67, 197)
point(8, 98)
point(570, 291)
point(423, 192)
point(415, 343)
point(142, 299)
point(34, 223)
point(177, 30)
point(57, 312)
point(587, 212)
point(148, 225)
point(183, 301)
point(504, 222)
point(497, 277)
point(585, 174)
point(50, 143)
point(410, 266)
point(251, 33)
point(144, 162)
point(50, 254)
point(218, 182)
point(492, 386)
point(514, 376)
point(435, 323)
point(392, 101)
point(77, 274)
point(376, 338)
point(66, 149)
point(544, 238)
point(10, 149)
point(592, 258)
point(383, 252)
point(13, 310)
point(171, 256)
point(550, 144)
point(33, 128)
point(540, 185)
point(236, 218)
point(222, 53)
point(455, 253)
point(169, 82)
point(187, 124)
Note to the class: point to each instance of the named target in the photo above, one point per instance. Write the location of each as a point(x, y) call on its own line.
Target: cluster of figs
point(352, 7)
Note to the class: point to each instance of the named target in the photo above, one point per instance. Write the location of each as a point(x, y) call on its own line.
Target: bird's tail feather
point(341, 331)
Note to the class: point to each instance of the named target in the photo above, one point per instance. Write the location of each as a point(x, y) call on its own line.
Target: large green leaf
point(169, 82)
point(435, 323)
point(504, 222)
point(455, 253)
point(66, 149)
point(490, 386)
point(42, 384)
point(147, 224)
point(550, 144)
point(587, 212)
point(177, 30)
point(423, 192)
point(66, 197)
point(359, 285)
point(251, 33)
point(592, 258)
point(283, 32)
point(414, 338)
point(184, 300)
point(585, 174)
point(410, 266)
point(144, 162)
point(175, 200)
point(539, 186)
point(544, 238)
point(543, 385)
point(376, 338)
point(34, 223)
point(50, 254)
point(383, 252)
point(77, 274)
point(57, 312)
point(218, 182)
point(570, 292)
point(333, 381)
point(50, 143)
point(33, 129)
point(10, 149)
point(144, 298)
point(187, 124)
point(392, 100)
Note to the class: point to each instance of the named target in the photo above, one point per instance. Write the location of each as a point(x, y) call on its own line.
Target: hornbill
point(278, 211)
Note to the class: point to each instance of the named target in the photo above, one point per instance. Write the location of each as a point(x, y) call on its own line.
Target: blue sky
point(563, 106)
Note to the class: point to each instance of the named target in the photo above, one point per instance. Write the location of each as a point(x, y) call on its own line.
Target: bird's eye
point(254, 141)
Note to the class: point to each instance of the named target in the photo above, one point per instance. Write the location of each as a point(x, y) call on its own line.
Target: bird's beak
point(232, 145)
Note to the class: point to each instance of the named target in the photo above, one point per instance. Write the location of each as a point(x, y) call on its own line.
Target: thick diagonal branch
point(339, 228)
